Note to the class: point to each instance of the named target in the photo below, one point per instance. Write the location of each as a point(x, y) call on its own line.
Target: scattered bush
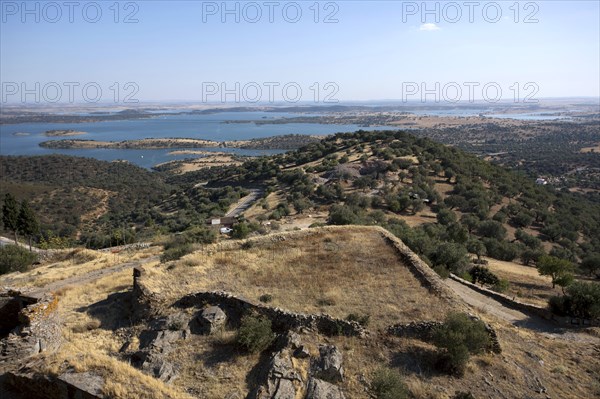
point(14, 258)
point(240, 230)
point(581, 300)
point(255, 334)
point(388, 384)
point(442, 271)
point(175, 252)
point(457, 339)
point(501, 286)
point(265, 298)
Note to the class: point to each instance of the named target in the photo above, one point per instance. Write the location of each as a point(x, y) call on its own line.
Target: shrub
point(456, 339)
point(265, 298)
point(581, 300)
point(388, 384)
point(240, 230)
point(442, 271)
point(363, 320)
point(175, 252)
point(501, 286)
point(255, 334)
point(14, 258)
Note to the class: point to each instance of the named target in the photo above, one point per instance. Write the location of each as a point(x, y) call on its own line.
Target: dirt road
point(244, 203)
point(517, 318)
point(88, 277)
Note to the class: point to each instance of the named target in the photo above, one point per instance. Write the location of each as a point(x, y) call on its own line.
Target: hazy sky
point(182, 50)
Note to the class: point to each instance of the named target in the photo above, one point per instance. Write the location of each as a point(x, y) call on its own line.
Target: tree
point(446, 217)
point(10, 215)
point(491, 229)
point(27, 222)
point(476, 247)
point(450, 255)
point(591, 265)
point(560, 270)
point(470, 222)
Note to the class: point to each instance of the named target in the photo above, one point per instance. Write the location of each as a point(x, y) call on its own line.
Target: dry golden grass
point(121, 379)
point(335, 271)
point(91, 313)
point(70, 263)
point(525, 282)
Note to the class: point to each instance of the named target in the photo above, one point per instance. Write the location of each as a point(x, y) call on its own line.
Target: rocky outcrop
point(282, 379)
point(289, 378)
point(319, 389)
point(329, 365)
point(66, 386)
point(157, 343)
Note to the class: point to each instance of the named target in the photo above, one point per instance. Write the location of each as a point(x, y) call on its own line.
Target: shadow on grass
point(113, 312)
point(218, 354)
point(416, 360)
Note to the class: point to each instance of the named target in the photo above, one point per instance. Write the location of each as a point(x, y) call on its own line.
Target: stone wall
point(37, 328)
point(424, 331)
point(281, 320)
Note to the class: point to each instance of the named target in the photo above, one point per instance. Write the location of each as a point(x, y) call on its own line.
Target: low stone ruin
point(28, 325)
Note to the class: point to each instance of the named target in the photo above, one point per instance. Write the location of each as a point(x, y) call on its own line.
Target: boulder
point(157, 367)
point(319, 389)
point(211, 319)
point(329, 365)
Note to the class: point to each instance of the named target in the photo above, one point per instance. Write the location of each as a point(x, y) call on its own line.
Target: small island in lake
point(62, 133)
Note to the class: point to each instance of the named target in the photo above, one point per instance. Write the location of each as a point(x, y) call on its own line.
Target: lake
point(210, 127)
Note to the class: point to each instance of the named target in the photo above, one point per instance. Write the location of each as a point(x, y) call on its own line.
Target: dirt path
point(244, 203)
point(88, 277)
point(517, 318)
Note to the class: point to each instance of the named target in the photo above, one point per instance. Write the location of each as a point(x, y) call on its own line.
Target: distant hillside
point(105, 203)
point(391, 177)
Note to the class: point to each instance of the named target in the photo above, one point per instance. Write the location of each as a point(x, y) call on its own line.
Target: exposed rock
point(319, 389)
point(329, 366)
point(280, 378)
point(156, 366)
point(211, 319)
point(301, 352)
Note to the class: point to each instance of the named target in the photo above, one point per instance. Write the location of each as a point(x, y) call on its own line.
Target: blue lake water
point(210, 127)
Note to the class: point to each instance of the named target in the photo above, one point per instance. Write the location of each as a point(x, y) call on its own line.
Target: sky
point(322, 52)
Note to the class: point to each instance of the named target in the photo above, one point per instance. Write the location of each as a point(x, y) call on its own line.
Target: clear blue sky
point(369, 53)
